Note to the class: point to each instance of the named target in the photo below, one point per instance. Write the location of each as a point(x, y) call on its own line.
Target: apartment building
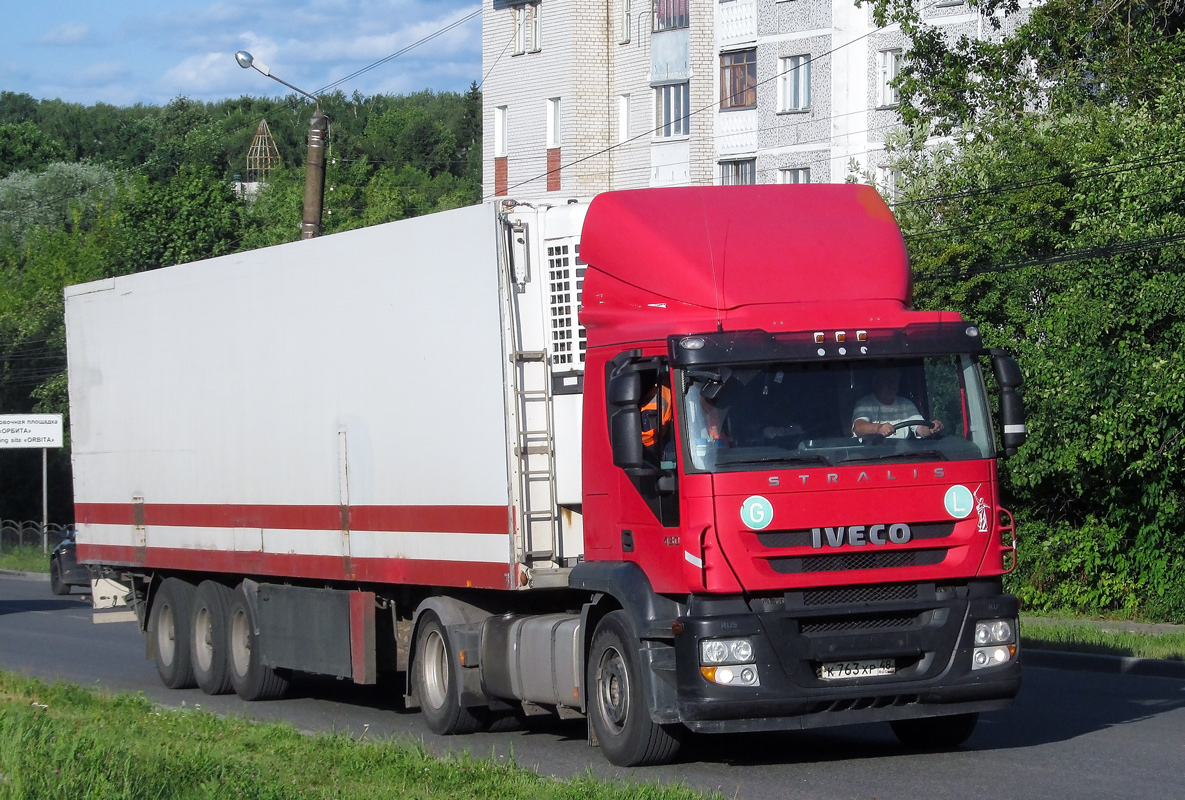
point(584, 96)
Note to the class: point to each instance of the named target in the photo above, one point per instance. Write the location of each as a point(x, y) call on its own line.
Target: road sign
point(30, 430)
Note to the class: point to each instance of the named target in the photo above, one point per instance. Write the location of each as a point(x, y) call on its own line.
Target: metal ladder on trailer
point(535, 449)
point(534, 441)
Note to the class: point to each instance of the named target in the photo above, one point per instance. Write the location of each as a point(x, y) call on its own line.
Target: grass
point(63, 741)
point(1107, 638)
point(26, 558)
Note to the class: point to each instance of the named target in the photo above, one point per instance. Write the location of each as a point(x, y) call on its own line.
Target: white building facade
point(584, 96)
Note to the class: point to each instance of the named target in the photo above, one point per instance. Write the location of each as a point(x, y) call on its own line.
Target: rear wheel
point(211, 607)
point(616, 706)
point(436, 678)
point(250, 677)
point(168, 633)
point(57, 584)
point(935, 733)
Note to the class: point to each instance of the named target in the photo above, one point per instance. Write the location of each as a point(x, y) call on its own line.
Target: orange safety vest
point(653, 418)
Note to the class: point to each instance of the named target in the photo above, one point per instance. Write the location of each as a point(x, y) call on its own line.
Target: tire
point(57, 583)
point(249, 676)
point(208, 623)
point(435, 677)
point(617, 708)
point(168, 633)
point(935, 733)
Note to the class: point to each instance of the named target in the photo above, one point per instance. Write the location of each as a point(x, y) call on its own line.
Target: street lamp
point(314, 184)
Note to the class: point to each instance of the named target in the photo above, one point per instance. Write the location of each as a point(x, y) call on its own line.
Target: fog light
point(743, 675)
point(985, 657)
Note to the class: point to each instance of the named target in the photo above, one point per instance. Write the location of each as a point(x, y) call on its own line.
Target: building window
point(670, 14)
point(627, 21)
point(527, 28)
point(553, 122)
point(671, 110)
point(738, 80)
point(794, 83)
point(499, 131)
point(889, 64)
point(738, 173)
point(623, 117)
point(888, 179)
point(795, 175)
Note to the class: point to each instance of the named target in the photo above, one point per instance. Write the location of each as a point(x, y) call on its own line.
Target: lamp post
point(314, 184)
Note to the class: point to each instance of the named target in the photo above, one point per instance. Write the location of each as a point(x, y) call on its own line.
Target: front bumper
point(930, 639)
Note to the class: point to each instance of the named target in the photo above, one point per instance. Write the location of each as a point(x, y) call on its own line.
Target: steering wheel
point(909, 423)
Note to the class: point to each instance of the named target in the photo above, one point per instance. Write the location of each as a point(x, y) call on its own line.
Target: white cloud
point(70, 33)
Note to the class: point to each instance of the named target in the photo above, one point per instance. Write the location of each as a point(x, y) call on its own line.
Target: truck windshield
point(762, 416)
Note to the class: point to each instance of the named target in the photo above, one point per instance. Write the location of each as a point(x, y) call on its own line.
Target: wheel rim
point(166, 635)
point(613, 689)
point(240, 642)
point(434, 666)
point(203, 639)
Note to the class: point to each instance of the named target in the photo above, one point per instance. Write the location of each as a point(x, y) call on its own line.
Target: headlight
point(994, 631)
point(725, 651)
point(995, 643)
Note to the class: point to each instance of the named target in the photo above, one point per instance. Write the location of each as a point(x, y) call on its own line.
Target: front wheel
point(935, 733)
point(57, 584)
point(435, 676)
point(616, 705)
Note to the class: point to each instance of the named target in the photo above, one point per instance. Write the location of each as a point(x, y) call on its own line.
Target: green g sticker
point(757, 512)
point(959, 501)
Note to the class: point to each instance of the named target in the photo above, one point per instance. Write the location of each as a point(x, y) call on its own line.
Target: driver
point(879, 412)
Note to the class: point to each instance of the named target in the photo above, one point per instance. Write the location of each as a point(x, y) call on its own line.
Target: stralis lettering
point(860, 535)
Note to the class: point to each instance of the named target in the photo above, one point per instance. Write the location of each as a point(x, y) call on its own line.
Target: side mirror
point(624, 394)
point(1012, 407)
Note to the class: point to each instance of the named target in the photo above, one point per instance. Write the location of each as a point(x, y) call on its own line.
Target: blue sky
point(151, 51)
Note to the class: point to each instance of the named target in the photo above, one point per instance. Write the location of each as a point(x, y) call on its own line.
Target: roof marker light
point(820, 337)
point(972, 331)
point(861, 336)
point(841, 336)
point(691, 343)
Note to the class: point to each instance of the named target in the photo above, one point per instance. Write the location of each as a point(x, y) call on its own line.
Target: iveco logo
point(860, 535)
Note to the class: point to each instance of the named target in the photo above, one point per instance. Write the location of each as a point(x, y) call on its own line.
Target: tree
point(1058, 227)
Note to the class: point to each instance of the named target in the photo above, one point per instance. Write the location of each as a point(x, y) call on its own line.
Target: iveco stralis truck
point(601, 459)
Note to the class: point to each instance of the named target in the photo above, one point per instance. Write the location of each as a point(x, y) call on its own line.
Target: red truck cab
point(776, 570)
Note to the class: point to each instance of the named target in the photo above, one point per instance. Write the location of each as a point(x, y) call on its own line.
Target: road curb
point(1113, 665)
point(24, 576)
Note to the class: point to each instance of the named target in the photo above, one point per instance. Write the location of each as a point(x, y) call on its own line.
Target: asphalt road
point(1070, 734)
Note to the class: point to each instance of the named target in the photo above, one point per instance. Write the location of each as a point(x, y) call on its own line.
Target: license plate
point(837, 670)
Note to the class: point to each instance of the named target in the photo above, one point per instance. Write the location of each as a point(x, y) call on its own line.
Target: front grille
point(860, 594)
point(879, 559)
point(859, 624)
point(805, 538)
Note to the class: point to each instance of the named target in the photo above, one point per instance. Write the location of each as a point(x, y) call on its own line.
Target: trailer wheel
point(249, 676)
point(616, 706)
point(168, 633)
point(436, 679)
point(934, 733)
point(209, 620)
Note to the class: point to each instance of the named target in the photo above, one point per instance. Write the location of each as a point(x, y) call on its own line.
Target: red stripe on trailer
point(410, 571)
point(421, 519)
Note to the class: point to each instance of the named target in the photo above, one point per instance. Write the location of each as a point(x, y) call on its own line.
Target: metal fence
point(15, 534)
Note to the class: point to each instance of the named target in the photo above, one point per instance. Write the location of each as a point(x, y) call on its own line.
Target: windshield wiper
point(909, 454)
point(790, 459)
